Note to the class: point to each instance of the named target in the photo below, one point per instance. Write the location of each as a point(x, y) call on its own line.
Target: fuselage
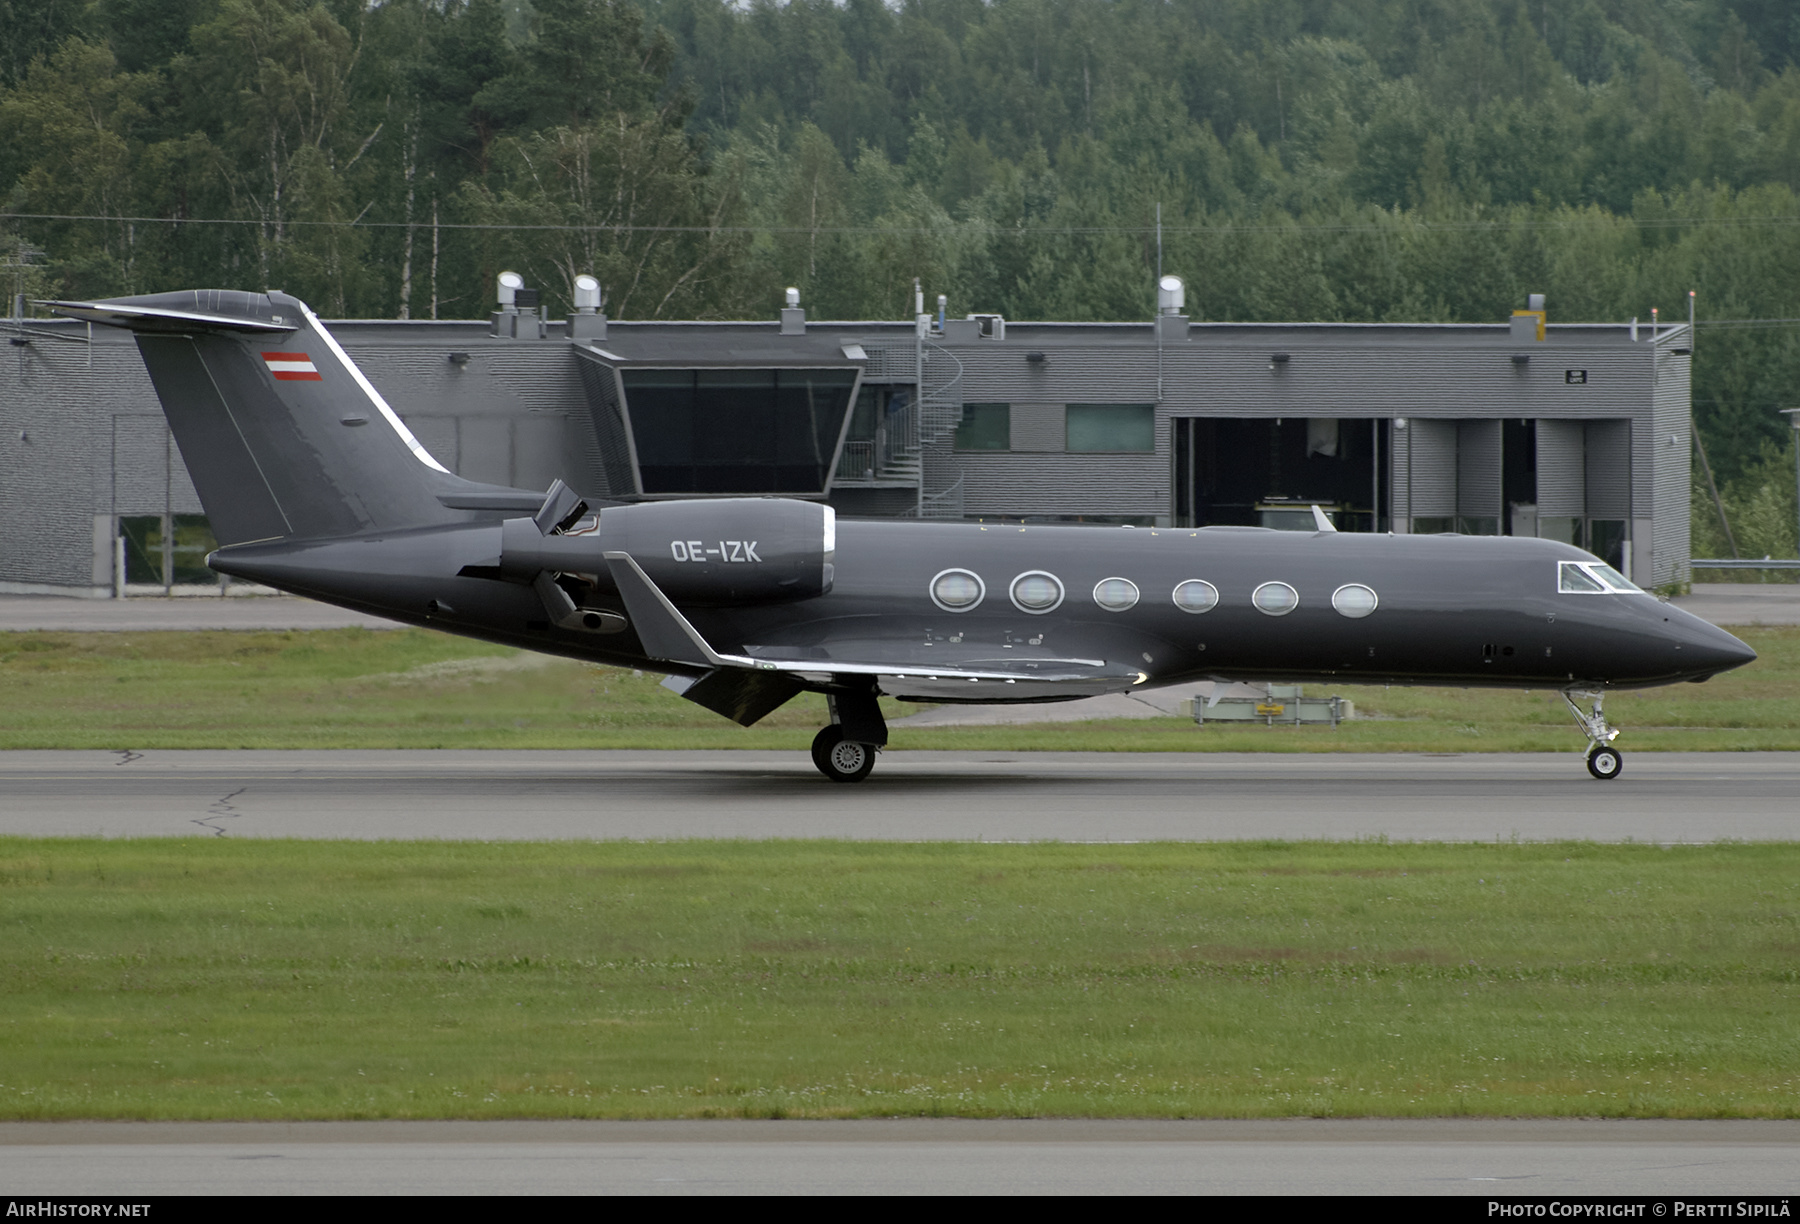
point(1461, 610)
point(1453, 610)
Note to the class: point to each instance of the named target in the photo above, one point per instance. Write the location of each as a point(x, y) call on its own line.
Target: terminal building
point(1577, 432)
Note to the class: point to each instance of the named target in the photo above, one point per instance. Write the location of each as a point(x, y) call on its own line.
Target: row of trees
point(378, 159)
point(1311, 159)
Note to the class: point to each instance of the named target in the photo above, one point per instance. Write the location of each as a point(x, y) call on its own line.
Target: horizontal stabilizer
point(492, 498)
point(186, 312)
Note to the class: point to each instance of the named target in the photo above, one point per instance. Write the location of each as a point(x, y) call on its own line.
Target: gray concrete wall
point(82, 439)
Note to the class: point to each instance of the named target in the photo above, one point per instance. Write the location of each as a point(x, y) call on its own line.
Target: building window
point(880, 433)
point(1110, 428)
point(736, 430)
point(985, 427)
point(184, 549)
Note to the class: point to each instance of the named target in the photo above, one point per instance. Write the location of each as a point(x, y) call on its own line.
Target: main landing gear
point(1603, 760)
point(840, 759)
point(845, 750)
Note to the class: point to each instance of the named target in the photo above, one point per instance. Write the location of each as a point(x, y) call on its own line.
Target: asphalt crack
point(127, 756)
point(221, 808)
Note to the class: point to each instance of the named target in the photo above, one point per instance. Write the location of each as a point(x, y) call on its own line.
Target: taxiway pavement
point(1488, 1158)
point(912, 796)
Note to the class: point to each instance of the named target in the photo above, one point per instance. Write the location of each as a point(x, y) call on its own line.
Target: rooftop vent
point(1171, 298)
point(793, 318)
point(992, 326)
point(1528, 324)
point(517, 318)
point(1171, 295)
point(587, 323)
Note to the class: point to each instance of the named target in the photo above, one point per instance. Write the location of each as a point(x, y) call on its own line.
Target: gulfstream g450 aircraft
point(313, 485)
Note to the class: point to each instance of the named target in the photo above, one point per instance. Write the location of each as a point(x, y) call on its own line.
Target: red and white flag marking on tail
point(292, 367)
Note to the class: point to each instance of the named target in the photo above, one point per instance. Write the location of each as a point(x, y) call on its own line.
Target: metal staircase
point(936, 413)
point(907, 448)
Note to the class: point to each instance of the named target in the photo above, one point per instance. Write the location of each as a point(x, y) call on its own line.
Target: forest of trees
point(1362, 160)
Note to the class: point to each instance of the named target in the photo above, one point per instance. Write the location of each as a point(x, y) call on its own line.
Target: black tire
point(1605, 763)
point(840, 759)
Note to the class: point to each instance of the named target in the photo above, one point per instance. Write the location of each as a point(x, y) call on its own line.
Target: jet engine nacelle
point(739, 550)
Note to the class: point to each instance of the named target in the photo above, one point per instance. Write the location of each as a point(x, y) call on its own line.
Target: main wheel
point(1605, 763)
point(840, 759)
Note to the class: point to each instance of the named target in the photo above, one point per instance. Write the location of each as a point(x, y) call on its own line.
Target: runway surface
point(912, 796)
point(1485, 1158)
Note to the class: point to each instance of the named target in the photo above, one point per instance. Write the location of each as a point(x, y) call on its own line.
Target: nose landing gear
point(1603, 760)
point(1605, 763)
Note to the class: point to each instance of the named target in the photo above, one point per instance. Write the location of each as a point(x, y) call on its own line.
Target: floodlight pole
point(1793, 416)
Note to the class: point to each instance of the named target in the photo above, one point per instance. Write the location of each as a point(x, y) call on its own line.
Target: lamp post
point(1793, 416)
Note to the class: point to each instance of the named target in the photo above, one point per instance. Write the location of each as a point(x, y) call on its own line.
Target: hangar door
point(1584, 486)
point(1448, 475)
point(1268, 471)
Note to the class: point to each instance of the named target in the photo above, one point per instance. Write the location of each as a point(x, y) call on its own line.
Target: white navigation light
point(1275, 598)
point(1354, 600)
point(1037, 592)
point(1116, 594)
point(957, 590)
point(510, 284)
point(1196, 595)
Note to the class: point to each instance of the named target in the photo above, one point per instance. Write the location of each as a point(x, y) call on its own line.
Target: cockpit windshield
point(1593, 578)
point(1616, 580)
point(1573, 579)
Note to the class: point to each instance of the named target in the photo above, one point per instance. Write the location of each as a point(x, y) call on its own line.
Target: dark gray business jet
point(313, 485)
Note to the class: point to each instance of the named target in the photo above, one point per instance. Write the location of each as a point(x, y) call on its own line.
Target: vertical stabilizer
point(283, 436)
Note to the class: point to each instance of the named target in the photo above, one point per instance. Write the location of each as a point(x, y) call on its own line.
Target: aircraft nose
point(1707, 649)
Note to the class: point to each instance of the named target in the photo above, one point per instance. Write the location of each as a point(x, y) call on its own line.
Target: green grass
point(220, 979)
point(417, 689)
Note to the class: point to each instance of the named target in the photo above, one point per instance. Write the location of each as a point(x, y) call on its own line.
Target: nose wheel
point(840, 759)
point(1603, 760)
point(1605, 763)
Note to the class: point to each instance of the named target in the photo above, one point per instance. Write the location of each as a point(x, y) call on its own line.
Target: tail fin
point(283, 436)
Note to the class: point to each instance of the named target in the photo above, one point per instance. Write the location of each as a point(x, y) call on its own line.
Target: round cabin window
point(957, 590)
point(1275, 598)
point(1195, 595)
point(1354, 600)
point(1116, 594)
point(1036, 592)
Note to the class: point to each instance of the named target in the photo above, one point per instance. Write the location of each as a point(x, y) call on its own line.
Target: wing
point(668, 635)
